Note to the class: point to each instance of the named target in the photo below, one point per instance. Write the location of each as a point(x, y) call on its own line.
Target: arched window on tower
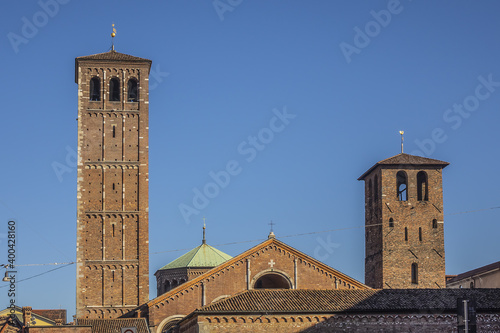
point(422, 186)
point(402, 186)
point(133, 93)
point(114, 90)
point(95, 89)
point(435, 223)
point(166, 286)
point(414, 273)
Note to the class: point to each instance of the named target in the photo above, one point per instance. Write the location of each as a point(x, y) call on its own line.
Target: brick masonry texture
point(241, 273)
point(389, 253)
point(319, 323)
point(112, 188)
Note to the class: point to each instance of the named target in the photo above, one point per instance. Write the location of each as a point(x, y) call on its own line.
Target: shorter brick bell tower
point(404, 235)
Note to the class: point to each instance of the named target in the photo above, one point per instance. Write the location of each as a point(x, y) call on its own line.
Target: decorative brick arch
point(169, 322)
point(272, 271)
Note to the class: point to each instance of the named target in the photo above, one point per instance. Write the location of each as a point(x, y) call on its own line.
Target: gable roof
point(114, 325)
point(477, 271)
point(350, 300)
point(112, 56)
point(52, 314)
point(268, 242)
point(201, 256)
point(406, 159)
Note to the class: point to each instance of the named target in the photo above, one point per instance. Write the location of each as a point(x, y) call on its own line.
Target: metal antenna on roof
point(113, 34)
point(402, 139)
point(204, 227)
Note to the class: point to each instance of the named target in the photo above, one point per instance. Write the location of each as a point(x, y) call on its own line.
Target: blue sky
point(349, 75)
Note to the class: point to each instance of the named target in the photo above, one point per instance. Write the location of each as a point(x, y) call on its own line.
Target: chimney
point(26, 315)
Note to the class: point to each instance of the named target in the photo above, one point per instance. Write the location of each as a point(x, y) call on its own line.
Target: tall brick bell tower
point(404, 223)
point(112, 186)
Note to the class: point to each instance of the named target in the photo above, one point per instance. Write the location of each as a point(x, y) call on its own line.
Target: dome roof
point(201, 256)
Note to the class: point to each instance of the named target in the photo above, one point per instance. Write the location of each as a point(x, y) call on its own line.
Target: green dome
point(201, 256)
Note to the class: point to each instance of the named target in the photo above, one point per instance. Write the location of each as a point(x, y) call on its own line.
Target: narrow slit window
point(391, 223)
point(402, 186)
point(406, 233)
point(132, 90)
point(422, 186)
point(114, 131)
point(113, 275)
point(95, 89)
point(414, 273)
point(114, 90)
point(113, 186)
point(370, 194)
point(420, 234)
point(434, 224)
point(113, 229)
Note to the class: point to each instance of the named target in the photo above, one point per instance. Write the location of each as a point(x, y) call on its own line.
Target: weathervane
point(402, 140)
point(113, 34)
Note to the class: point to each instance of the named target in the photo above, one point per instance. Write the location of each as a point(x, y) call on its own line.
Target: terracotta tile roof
point(112, 56)
point(114, 325)
point(477, 271)
point(406, 159)
point(343, 300)
point(52, 314)
point(243, 255)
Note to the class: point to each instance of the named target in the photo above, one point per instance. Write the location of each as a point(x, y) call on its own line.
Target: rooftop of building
point(475, 272)
point(351, 300)
point(406, 160)
point(203, 255)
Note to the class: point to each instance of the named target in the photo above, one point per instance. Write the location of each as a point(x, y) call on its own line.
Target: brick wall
point(413, 237)
point(112, 191)
point(321, 323)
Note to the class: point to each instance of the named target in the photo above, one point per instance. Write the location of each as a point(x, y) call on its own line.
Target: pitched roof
point(201, 256)
point(109, 57)
point(37, 318)
point(241, 256)
point(406, 159)
point(114, 325)
point(477, 271)
point(52, 314)
point(350, 300)
point(112, 56)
